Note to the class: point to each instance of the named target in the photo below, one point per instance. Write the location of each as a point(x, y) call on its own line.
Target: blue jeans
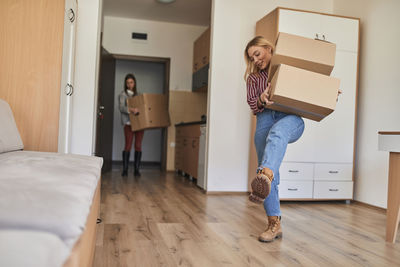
point(274, 131)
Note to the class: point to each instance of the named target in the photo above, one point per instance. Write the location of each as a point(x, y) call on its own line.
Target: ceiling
point(195, 12)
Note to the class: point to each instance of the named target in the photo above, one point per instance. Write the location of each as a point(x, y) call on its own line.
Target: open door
point(105, 116)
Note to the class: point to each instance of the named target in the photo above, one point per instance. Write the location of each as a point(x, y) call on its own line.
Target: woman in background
point(130, 91)
point(274, 130)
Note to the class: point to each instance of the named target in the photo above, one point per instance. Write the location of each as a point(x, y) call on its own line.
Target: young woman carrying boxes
point(274, 130)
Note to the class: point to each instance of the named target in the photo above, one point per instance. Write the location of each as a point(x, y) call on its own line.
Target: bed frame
point(82, 253)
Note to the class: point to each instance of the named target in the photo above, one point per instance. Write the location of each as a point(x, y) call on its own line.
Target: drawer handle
point(294, 171)
point(333, 172)
point(333, 190)
point(292, 189)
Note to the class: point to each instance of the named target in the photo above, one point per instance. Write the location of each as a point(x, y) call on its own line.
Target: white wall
point(378, 95)
point(233, 25)
point(167, 40)
point(84, 101)
point(150, 79)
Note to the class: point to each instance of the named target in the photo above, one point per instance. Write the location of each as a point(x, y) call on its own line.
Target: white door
point(299, 23)
point(341, 31)
point(334, 140)
point(307, 25)
point(67, 76)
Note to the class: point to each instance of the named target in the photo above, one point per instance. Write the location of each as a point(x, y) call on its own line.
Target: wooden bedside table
point(390, 141)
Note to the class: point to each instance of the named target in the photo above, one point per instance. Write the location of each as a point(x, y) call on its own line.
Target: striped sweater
point(256, 84)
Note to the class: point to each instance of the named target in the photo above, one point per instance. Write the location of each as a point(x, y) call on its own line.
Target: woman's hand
point(134, 110)
point(265, 96)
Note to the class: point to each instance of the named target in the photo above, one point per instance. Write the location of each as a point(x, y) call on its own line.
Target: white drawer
point(333, 190)
point(295, 189)
point(296, 171)
point(333, 172)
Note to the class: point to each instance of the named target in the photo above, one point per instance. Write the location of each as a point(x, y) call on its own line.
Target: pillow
point(10, 140)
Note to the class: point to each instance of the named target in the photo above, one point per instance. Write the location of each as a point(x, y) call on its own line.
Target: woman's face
point(260, 56)
point(130, 84)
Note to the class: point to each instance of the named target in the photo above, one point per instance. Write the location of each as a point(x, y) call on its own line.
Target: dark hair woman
point(130, 90)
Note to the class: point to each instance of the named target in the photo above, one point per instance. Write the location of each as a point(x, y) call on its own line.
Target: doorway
point(152, 75)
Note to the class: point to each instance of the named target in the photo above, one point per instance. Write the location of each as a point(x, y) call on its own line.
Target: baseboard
point(143, 164)
point(369, 206)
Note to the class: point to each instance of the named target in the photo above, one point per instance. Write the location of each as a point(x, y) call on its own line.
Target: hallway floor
point(165, 220)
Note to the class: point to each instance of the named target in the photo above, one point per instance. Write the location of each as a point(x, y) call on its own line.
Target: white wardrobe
point(320, 164)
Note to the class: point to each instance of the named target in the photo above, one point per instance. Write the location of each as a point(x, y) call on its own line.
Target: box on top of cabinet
point(268, 26)
point(301, 52)
point(153, 111)
point(305, 93)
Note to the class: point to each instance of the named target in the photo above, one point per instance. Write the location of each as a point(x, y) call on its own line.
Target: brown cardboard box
point(305, 53)
point(153, 111)
point(302, 92)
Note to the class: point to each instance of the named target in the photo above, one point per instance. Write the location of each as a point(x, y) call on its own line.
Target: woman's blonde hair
point(256, 41)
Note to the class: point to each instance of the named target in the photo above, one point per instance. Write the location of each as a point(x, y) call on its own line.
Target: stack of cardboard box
point(299, 73)
point(153, 111)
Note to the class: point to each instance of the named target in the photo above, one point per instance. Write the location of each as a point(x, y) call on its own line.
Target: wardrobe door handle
point(333, 172)
point(333, 190)
point(69, 89)
point(71, 15)
point(294, 171)
point(292, 189)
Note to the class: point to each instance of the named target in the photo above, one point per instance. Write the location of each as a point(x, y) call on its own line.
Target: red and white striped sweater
point(256, 84)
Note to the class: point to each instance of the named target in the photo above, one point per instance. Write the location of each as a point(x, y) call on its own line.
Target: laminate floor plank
point(163, 219)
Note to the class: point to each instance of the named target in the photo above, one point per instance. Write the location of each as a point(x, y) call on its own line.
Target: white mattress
point(31, 249)
point(47, 192)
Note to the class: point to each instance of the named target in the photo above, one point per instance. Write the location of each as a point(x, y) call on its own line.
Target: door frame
point(107, 163)
point(167, 65)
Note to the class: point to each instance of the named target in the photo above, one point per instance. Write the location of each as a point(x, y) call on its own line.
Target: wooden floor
point(165, 220)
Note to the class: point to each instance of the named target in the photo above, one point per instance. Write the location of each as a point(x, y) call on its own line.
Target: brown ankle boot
point(261, 185)
point(273, 230)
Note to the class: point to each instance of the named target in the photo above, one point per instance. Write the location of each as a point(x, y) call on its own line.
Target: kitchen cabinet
point(187, 148)
point(201, 57)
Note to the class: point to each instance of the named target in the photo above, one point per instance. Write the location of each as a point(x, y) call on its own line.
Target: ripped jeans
point(274, 131)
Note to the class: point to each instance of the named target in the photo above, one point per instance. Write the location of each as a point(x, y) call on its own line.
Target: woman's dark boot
point(125, 162)
point(138, 157)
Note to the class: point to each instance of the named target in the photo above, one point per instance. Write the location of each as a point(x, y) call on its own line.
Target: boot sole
point(261, 188)
point(255, 199)
point(269, 241)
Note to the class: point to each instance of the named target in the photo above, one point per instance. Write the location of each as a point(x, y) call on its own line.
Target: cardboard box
point(307, 94)
point(305, 53)
point(153, 111)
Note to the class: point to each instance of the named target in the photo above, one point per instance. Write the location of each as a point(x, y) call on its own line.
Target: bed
point(49, 202)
